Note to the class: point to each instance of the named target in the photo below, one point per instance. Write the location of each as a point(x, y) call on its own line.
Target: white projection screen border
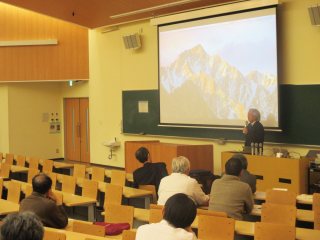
point(212, 70)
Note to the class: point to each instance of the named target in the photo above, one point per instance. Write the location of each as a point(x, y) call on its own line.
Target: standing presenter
point(253, 131)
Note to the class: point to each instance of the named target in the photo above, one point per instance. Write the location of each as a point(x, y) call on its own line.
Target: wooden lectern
point(200, 156)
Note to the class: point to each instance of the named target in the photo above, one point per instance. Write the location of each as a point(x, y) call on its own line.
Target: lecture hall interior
point(89, 82)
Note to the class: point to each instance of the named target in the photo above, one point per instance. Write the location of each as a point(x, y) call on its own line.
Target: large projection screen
point(213, 70)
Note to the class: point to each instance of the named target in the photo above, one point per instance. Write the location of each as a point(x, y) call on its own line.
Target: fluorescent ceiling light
point(167, 5)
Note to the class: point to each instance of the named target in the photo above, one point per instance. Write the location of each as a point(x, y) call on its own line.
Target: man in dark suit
point(149, 173)
point(254, 131)
point(43, 203)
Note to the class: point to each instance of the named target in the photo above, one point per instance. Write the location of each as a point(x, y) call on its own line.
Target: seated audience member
point(229, 194)
point(22, 226)
point(180, 182)
point(178, 214)
point(149, 173)
point(246, 176)
point(42, 202)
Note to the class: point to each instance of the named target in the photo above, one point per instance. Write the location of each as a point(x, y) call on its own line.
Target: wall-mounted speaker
point(314, 13)
point(132, 41)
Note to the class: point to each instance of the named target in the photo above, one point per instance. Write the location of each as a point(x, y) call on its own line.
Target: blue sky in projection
point(248, 44)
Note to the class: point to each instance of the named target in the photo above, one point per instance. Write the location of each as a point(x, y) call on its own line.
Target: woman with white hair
point(253, 131)
point(179, 182)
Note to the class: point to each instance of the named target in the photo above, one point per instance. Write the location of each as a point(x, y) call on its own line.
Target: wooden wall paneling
point(66, 61)
point(200, 156)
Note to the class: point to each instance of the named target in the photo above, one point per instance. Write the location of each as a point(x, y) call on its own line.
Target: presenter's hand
point(245, 130)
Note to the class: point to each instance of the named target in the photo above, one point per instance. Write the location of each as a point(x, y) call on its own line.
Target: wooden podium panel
point(200, 156)
point(275, 172)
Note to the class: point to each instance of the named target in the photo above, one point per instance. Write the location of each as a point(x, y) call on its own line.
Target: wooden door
point(76, 119)
point(84, 130)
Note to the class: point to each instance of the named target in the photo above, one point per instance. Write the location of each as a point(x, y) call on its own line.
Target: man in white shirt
point(180, 182)
point(178, 214)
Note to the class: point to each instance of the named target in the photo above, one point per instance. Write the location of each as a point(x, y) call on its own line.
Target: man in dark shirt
point(246, 176)
point(42, 202)
point(149, 173)
point(253, 131)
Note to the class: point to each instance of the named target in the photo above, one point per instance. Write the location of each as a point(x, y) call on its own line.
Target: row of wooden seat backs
point(215, 225)
point(98, 174)
point(289, 198)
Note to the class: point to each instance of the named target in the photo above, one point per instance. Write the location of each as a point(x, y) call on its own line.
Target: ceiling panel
point(96, 13)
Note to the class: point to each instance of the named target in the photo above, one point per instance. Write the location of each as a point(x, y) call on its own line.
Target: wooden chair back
point(98, 174)
point(31, 173)
point(128, 235)
point(278, 213)
point(152, 189)
point(53, 177)
point(54, 235)
point(59, 196)
point(79, 171)
point(267, 231)
point(87, 228)
point(89, 188)
point(215, 228)
point(1, 187)
point(211, 213)
point(155, 215)
point(5, 170)
point(14, 190)
point(68, 184)
point(281, 197)
point(34, 163)
point(47, 166)
point(118, 177)
point(28, 190)
point(21, 160)
point(119, 214)
point(113, 194)
point(155, 206)
point(9, 158)
point(316, 210)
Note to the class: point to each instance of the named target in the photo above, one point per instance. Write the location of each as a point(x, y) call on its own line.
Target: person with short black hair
point(43, 203)
point(229, 194)
point(22, 226)
point(179, 213)
point(246, 176)
point(150, 173)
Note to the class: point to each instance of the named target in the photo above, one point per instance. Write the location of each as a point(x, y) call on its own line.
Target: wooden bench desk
point(69, 200)
point(302, 215)
point(301, 199)
point(7, 207)
point(241, 227)
point(77, 236)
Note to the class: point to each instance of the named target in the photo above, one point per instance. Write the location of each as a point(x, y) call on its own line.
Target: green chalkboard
point(299, 117)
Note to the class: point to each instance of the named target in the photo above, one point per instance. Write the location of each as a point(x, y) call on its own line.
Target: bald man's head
point(41, 183)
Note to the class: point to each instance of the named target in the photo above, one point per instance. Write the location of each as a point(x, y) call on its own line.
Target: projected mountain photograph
point(219, 72)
